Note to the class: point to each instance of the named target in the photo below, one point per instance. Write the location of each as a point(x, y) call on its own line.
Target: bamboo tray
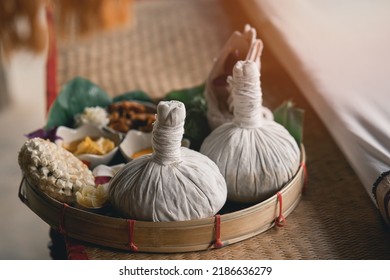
point(166, 237)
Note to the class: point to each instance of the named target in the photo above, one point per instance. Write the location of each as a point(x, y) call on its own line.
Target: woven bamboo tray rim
point(164, 237)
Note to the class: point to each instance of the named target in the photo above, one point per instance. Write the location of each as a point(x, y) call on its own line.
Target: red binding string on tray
point(51, 62)
point(75, 250)
point(305, 176)
point(218, 243)
point(280, 220)
point(132, 246)
point(61, 227)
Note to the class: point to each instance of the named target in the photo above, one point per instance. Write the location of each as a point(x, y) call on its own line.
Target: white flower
point(54, 170)
point(93, 115)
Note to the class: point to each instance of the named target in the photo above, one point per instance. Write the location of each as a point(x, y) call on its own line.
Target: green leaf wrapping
point(189, 96)
point(74, 96)
point(291, 118)
point(196, 126)
point(136, 95)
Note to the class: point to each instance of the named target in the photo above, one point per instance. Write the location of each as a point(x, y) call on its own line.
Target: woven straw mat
point(171, 45)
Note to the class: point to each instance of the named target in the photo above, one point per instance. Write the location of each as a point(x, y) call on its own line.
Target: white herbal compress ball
point(172, 184)
point(256, 156)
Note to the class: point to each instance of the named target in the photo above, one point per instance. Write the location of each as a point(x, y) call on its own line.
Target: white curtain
point(338, 53)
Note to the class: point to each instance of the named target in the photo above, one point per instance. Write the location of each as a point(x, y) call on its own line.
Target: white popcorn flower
point(53, 169)
point(92, 115)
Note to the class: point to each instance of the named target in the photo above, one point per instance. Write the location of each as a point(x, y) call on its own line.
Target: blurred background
point(25, 46)
point(22, 109)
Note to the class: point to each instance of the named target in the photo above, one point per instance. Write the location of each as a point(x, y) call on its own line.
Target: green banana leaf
point(291, 118)
point(80, 93)
point(137, 95)
point(74, 96)
point(196, 126)
point(191, 97)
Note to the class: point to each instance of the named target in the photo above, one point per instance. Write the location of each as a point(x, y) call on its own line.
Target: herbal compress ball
point(171, 184)
point(257, 156)
point(53, 169)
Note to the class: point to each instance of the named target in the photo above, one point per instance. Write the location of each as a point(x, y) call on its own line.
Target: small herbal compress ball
point(171, 184)
point(257, 156)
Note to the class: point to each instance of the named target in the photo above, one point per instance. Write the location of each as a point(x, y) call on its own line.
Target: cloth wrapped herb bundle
point(171, 184)
point(257, 156)
point(240, 46)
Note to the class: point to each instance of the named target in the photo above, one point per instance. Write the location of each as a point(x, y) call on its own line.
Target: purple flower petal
point(42, 133)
